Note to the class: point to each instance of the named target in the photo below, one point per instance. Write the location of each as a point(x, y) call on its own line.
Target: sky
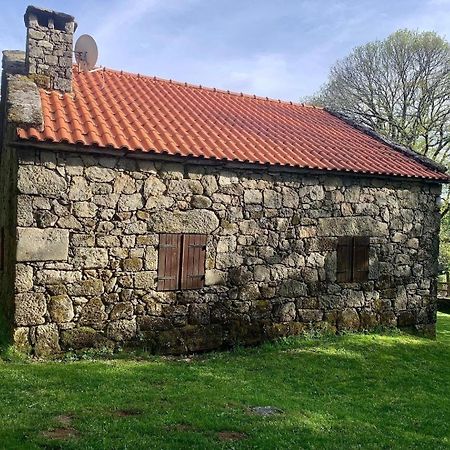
point(276, 48)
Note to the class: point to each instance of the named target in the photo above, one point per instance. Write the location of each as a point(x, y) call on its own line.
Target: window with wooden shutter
point(169, 261)
point(360, 259)
point(352, 259)
point(181, 261)
point(193, 261)
point(344, 259)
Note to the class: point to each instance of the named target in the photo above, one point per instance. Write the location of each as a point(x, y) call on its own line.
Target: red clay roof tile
point(126, 111)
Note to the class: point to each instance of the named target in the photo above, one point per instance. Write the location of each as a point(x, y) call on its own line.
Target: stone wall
point(88, 244)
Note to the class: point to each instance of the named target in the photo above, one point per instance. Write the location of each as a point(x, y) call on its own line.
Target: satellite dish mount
point(86, 53)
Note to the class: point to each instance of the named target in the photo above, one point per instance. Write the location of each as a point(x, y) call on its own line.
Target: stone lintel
point(351, 226)
point(200, 221)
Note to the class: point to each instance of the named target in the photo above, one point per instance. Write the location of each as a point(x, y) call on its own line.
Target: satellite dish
point(86, 52)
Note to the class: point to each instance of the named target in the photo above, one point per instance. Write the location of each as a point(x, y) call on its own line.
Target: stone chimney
point(49, 48)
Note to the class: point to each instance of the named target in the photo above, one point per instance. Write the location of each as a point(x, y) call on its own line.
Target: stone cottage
point(141, 211)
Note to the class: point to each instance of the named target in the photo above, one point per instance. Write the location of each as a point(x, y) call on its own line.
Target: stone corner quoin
point(88, 230)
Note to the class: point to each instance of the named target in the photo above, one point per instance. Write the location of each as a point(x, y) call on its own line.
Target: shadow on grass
point(443, 305)
point(356, 390)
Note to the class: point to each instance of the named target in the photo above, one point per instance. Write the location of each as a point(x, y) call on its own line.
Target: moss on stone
point(41, 80)
point(84, 337)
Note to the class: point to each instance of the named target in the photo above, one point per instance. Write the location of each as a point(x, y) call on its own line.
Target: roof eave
point(124, 152)
point(425, 161)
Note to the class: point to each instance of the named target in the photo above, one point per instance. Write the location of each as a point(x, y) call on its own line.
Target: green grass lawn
point(353, 391)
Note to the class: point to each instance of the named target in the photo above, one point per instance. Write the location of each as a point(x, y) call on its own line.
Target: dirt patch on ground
point(65, 419)
point(64, 431)
point(231, 436)
point(129, 412)
point(60, 433)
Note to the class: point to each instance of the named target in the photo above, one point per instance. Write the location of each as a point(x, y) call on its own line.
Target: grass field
point(353, 391)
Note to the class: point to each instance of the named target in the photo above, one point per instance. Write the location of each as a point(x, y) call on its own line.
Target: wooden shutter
point(344, 259)
point(361, 259)
point(169, 261)
point(193, 261)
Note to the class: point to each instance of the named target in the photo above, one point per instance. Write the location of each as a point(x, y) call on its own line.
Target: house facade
point(139, 211)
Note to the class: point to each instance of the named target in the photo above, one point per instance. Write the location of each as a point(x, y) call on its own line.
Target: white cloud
point(122, 16)
point(266, 74)
point(262, 73)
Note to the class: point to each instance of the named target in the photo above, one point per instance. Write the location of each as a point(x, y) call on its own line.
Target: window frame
point(184, 267)
point(352, 259)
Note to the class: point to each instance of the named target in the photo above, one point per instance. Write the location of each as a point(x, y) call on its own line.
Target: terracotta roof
point(112, 109)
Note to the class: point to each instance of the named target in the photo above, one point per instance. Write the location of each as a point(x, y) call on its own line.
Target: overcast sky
point(276, 48)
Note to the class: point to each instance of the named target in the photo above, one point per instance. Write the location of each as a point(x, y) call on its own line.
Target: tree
point(398, 87)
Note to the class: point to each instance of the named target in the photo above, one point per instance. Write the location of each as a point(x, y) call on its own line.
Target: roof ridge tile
point(202, 87)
